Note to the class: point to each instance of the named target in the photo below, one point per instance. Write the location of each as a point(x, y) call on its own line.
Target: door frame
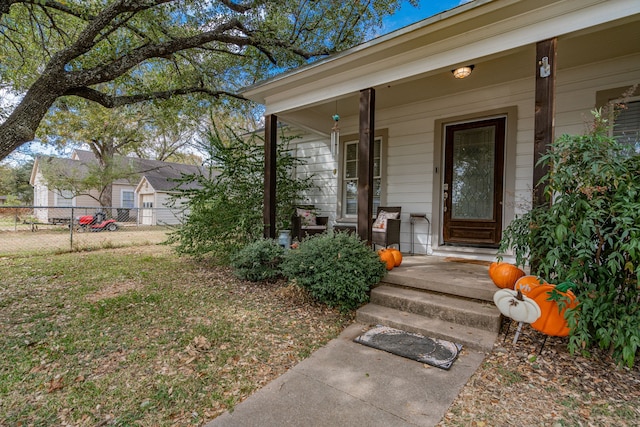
point(509, 170)
point(485, 232)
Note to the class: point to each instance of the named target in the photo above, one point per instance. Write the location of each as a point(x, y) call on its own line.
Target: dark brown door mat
point(435, 352)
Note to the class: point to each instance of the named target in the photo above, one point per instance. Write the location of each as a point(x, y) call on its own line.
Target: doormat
point(434, 352)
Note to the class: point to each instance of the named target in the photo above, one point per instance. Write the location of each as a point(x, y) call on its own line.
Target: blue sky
point(408, 14)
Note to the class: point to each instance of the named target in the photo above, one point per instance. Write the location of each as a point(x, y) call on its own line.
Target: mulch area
point(517, 386)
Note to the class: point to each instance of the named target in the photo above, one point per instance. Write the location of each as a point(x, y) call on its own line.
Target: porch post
point(365, 164)
point(544, 113)
point(270, 154)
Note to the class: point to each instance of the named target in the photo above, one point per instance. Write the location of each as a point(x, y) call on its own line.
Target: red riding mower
point(97, 222)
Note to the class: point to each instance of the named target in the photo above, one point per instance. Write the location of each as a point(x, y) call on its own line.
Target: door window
point(472, 183)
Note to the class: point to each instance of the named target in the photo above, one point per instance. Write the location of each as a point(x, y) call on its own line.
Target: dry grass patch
point(113, 290)
point(139, 336)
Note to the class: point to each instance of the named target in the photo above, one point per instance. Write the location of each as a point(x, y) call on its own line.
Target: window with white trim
point(63, 198)
point(350, 177)
point(128, 200)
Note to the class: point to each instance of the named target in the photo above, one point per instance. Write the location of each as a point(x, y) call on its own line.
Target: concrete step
point(468, 336)
point(461, 311)
point(455, 278)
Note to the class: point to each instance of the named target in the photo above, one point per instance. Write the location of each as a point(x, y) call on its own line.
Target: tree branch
point(18, 47)
point(87, 38)
point(123, 64)
point(5, 5)
point(110, 101)
point(63, 73)
point(237, 7)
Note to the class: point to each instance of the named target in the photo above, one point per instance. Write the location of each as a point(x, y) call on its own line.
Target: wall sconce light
point(462, 72)
point(545, 67)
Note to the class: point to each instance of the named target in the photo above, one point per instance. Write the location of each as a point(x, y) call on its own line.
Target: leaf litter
point(517, 386)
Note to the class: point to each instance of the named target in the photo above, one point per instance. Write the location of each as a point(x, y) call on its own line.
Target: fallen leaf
point(55, 384)
point(201, 343)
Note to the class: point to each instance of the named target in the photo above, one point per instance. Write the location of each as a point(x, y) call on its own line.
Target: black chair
point(389, 232)
point(305, 222)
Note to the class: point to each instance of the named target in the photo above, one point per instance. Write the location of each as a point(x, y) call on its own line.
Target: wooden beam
point(365, 163)
point(544, 113)
point(270, 157)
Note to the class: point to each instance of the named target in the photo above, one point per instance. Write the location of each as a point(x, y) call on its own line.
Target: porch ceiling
point(585, 47)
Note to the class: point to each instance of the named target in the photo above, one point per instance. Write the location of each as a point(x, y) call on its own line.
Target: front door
point(472, 191)
point(147, 209)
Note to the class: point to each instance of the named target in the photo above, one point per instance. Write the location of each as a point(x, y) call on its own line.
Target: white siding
point(41, 198)
point(165, 215)
point(315, 151)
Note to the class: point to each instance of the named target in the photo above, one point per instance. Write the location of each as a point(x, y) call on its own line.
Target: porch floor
point(462, 277)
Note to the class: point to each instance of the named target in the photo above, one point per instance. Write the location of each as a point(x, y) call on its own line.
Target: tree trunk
point(106, 198)
point(104, 152)
point(20, 127)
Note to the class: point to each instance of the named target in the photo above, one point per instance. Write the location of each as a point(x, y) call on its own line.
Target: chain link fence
point(28, 230)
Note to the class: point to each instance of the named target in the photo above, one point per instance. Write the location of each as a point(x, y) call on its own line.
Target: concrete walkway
point(349, 384)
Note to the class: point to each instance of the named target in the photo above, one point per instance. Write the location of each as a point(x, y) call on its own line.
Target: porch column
point(365, 164)
point(544, 113)
point(270, 155)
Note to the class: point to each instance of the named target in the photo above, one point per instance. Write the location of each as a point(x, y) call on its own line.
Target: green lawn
point(140, 336)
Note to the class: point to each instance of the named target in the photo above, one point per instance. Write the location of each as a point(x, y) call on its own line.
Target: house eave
point(457, 37)
point(255, 92)
point(34, 171)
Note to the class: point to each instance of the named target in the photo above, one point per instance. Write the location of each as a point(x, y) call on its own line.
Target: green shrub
point(337, 268)
point(258, 261)
point(590, 235)
point(225, 209)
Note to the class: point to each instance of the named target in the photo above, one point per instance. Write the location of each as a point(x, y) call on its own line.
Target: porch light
point(462, 72)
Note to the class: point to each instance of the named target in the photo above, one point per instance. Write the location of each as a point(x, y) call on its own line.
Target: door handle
point(445, 195)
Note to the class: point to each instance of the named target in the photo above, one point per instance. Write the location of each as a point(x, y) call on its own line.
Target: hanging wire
point(335, 134)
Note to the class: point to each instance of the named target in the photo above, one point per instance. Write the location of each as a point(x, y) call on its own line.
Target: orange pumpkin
point(551, 321)
point(397, 256)
point(492, 268)
point(504, 275)
point(387, 257)
point(526, 284)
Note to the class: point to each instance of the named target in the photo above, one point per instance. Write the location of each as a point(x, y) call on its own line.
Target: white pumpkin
point(516, 306)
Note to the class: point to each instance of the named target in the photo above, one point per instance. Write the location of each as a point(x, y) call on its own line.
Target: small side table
point(419, 216)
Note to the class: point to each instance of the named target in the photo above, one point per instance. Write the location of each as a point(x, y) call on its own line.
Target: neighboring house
point(460, 150)
point(155, 189)
point(50, 204)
